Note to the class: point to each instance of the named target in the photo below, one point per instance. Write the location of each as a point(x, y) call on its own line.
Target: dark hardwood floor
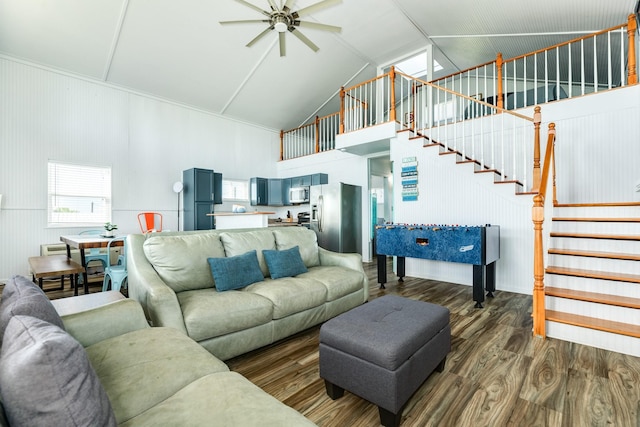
point(496, 374)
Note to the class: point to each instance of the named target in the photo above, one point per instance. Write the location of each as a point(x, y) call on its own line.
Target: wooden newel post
point(538, 268)
point(281, 145)
point(632, 76)
point(536, 149)
point(552, 131)
point(499, 63)
point(392, 101)
point(341, 126)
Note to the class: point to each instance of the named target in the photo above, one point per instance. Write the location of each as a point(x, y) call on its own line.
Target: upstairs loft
point(443, 109)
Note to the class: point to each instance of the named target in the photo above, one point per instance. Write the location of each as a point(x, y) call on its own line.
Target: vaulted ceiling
point(177, 50)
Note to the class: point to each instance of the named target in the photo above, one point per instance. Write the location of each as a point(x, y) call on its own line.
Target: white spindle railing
point(442, 109)
point(311, 138)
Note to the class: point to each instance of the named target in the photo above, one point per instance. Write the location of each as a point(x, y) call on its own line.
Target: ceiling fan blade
point(246, 21)
point(287, 5)
point(274, 6)
point(256, 8)
point(304, 39)
point(317, 6)
point(259, 36)
point(283, 49)
point(318, 26)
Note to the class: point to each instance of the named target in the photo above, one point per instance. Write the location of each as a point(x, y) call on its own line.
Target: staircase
point(478, 168)
point(592, 279)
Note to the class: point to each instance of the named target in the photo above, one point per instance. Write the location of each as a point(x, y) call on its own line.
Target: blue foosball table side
point(476, 245)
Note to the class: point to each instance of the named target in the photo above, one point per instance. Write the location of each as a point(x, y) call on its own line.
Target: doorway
point(380, 195)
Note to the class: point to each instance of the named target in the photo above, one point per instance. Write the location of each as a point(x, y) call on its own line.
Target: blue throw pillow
point(235, 272)
point(284, 263)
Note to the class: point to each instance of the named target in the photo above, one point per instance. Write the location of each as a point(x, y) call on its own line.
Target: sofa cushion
point(339, 281)
point(209, 314)
point(302, 237)
point(181, 261)
point(235, 272)
point(22, 296)
point(284, 263)
point(222, 399)
point(239, 243)
point(143, 368)
point(46, 378)
point(290, 295)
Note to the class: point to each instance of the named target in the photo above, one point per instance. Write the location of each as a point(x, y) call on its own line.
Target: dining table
point(82, 242)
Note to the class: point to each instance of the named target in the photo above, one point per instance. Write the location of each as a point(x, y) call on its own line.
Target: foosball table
point(477, 245)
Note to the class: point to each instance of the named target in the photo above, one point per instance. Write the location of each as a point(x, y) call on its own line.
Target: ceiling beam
point(114, 41)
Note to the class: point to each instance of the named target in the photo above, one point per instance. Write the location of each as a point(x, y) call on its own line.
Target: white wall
point(597, 147)
point(148, 143)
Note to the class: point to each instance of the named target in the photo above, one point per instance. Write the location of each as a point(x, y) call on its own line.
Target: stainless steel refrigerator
point(336, 216)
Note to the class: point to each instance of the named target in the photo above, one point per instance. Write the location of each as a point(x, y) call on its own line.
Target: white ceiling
point(178, 51)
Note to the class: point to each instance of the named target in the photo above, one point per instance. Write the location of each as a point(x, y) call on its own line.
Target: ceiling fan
point(282, 19)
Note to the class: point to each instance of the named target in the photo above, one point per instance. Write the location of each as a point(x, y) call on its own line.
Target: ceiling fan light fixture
point(283, 20)
point(280, 24)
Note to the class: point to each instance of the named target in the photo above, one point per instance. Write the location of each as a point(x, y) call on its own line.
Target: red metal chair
point(150, 222)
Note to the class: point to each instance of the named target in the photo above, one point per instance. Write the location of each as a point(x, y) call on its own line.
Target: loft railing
point(588, 64)
point(368, 103)
point(548, 168)
point(309, 139)
point(599, 61)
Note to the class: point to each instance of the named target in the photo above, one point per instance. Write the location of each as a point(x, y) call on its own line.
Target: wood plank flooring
point(497, 373)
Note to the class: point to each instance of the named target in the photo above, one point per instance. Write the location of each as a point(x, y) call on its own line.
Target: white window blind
point(235, 189)
point(78, 194)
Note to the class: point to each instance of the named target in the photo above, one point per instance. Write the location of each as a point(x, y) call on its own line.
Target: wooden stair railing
point(538, 220)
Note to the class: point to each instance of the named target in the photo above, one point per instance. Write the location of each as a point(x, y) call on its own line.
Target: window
point(235, 189)
point(78, 195)
point(416, 66)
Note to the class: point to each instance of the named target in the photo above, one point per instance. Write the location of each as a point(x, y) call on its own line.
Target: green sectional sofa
point(169, 274)
point(104, 366)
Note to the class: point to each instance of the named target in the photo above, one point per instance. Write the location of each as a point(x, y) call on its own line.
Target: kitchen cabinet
point(202, 190)
point(319, 179)
point(301, 181)
point(259, 191)
point(286, 185)
point(276, 192)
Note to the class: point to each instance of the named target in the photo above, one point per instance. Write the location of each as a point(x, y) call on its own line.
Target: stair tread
point(593, 205)
point(617, 300)
point(595, 254)
point(587, 219)
point(595, 236)
point(593, 323)
point(594, 274)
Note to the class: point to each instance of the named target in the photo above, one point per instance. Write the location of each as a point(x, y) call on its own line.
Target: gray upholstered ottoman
point(383, 351)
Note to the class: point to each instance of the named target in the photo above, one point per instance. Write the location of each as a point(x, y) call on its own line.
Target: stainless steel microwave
point(299, 195)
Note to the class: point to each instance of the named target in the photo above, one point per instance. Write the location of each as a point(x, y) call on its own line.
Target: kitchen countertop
point(284, 224)
point(240, 213)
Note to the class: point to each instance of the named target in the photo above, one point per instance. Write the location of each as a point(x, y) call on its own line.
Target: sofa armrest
point(107, 321)
point(348, 260)
point(159, 301)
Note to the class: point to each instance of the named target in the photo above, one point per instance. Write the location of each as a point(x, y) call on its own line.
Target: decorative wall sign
point(409, 177)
